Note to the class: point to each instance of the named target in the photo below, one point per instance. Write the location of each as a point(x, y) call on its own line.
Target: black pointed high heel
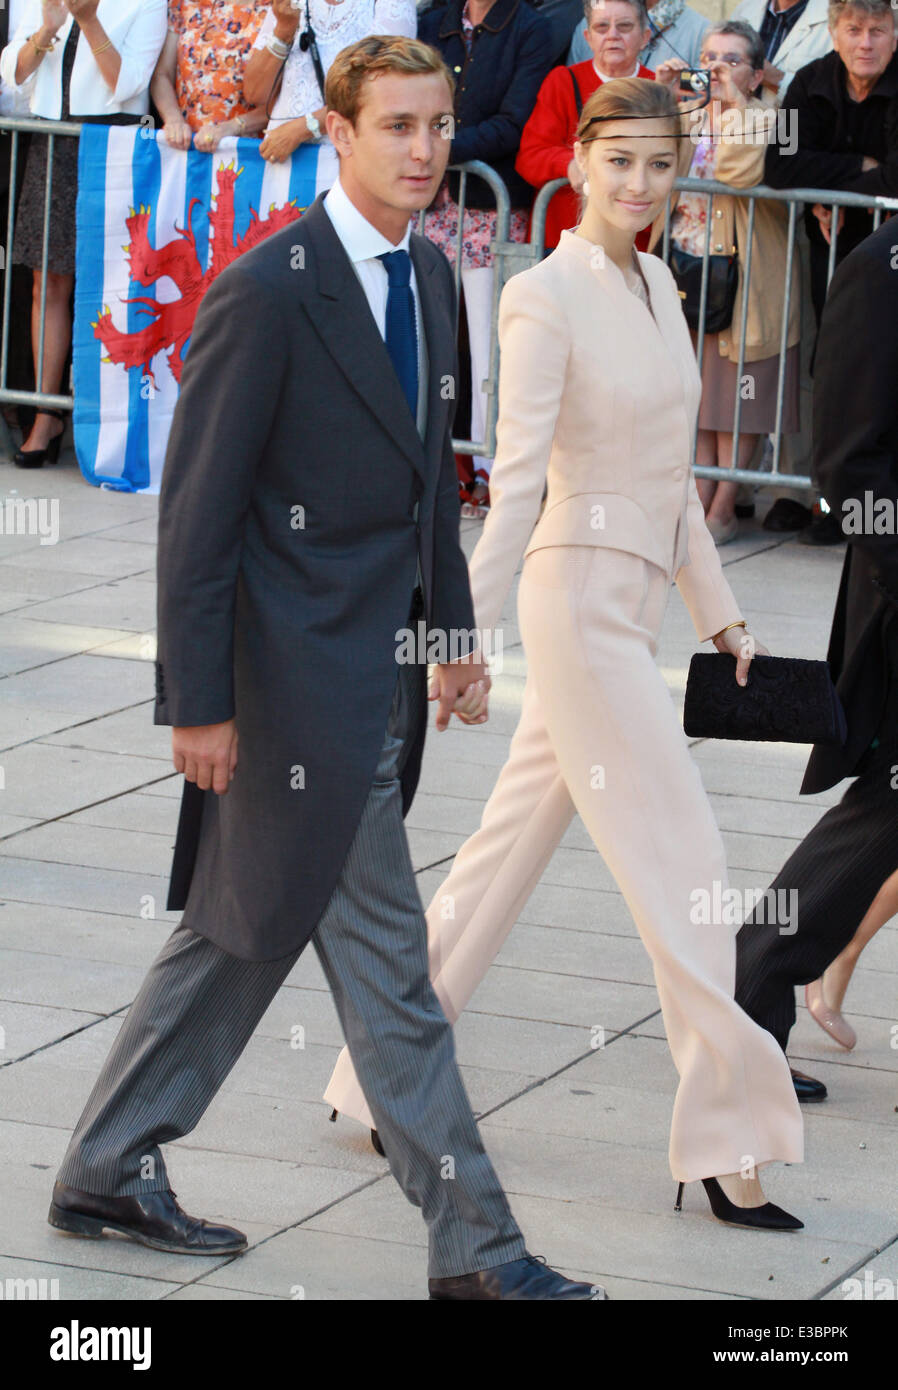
point(766, 1218)
point(376, 1145)
point(36, 458)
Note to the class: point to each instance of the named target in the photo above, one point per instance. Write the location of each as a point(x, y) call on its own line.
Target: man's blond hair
point(375, 54)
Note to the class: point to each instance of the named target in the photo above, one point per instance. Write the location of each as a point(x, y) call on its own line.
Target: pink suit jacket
point(598, 399)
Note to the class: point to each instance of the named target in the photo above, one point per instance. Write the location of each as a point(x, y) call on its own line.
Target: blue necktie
point(402, 335)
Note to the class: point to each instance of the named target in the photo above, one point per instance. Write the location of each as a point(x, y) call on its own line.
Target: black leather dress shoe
point(154, 1219)
point(787, 515)
point(823, 530)
point(529, 1277)
point(807, 1089)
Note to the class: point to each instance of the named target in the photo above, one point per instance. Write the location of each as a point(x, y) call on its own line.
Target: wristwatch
point(313, 124)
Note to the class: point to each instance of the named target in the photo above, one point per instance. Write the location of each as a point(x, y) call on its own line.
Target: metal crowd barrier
point(514, 257)
point(14, 126)
point(484, 448)
point(509, 257)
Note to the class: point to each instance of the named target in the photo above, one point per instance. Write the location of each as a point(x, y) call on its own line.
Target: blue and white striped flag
point(154, 227)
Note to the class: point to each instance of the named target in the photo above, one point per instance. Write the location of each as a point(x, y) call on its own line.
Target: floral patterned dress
point(690, 216)
point(214, 41)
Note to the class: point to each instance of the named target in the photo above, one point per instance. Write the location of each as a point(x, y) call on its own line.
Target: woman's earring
point(586, 188)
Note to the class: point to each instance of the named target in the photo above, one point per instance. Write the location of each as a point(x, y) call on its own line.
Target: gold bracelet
point(741, 623)
point(46, 48)
point(102, 49)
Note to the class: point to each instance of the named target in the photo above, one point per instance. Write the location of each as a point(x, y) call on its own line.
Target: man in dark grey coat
point(310, 470)
point(839, 867)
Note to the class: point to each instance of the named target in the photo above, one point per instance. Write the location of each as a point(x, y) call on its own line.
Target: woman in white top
point(84, 60)
point(280, 74)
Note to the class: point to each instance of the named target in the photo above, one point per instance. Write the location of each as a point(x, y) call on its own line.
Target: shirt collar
point(605, 78)
point(361, 240)
point(787, 16)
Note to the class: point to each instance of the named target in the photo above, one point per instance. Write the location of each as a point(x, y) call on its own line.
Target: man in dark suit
point(839, 867)
point(310, 469)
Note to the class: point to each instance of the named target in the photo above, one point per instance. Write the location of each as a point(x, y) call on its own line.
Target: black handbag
point(723, 281)
point(786, 700)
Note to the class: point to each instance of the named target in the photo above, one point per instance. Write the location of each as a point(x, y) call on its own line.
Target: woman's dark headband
point(681, 135)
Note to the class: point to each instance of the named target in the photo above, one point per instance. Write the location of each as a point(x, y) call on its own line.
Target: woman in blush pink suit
point(598, 396)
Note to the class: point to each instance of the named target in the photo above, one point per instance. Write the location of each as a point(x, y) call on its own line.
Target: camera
point(697, 80)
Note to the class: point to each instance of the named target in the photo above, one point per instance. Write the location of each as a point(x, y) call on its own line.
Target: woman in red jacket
point(616, 31)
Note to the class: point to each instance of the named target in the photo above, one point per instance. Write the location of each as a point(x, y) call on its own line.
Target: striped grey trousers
point(198, 1007)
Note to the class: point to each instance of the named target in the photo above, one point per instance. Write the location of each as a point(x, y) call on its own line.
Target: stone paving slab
point(578, 1131)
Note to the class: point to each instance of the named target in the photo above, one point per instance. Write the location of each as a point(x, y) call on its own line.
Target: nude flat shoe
point(830, 1020)
point(722, 531)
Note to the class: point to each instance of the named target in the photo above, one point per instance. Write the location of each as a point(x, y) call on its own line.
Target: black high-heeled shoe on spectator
point(36, 458)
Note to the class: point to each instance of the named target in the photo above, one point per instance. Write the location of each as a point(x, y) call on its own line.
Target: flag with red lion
point(155, 226)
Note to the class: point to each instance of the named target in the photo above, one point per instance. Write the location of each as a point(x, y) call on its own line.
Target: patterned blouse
point(335, 26)
point(214, 40)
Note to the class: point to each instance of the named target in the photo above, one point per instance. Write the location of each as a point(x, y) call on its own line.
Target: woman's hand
point(54, 14)
point(82, 9)
point(730, 94)
point(739, 642)
point(177, 133)
point(282, 139)
point(209, 136)
point(668, 72)
point(472, 705)
point(286, 17)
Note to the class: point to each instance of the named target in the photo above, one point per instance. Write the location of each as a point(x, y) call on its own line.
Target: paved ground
point(579, 1136)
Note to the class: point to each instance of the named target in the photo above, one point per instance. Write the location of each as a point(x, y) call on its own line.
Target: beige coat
point(606, 421)
point(600, 400)
point(741, 164)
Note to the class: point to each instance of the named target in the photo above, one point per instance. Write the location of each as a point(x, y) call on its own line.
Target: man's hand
point(206, 754)
point(824, 216)
point(461, 688)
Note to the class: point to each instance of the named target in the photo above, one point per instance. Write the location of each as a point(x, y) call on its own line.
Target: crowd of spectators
point(208, 69)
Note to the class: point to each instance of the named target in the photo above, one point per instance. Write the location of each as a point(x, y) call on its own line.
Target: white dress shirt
point(363, 243)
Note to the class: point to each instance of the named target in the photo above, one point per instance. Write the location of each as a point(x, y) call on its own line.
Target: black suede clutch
point(786, 700)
